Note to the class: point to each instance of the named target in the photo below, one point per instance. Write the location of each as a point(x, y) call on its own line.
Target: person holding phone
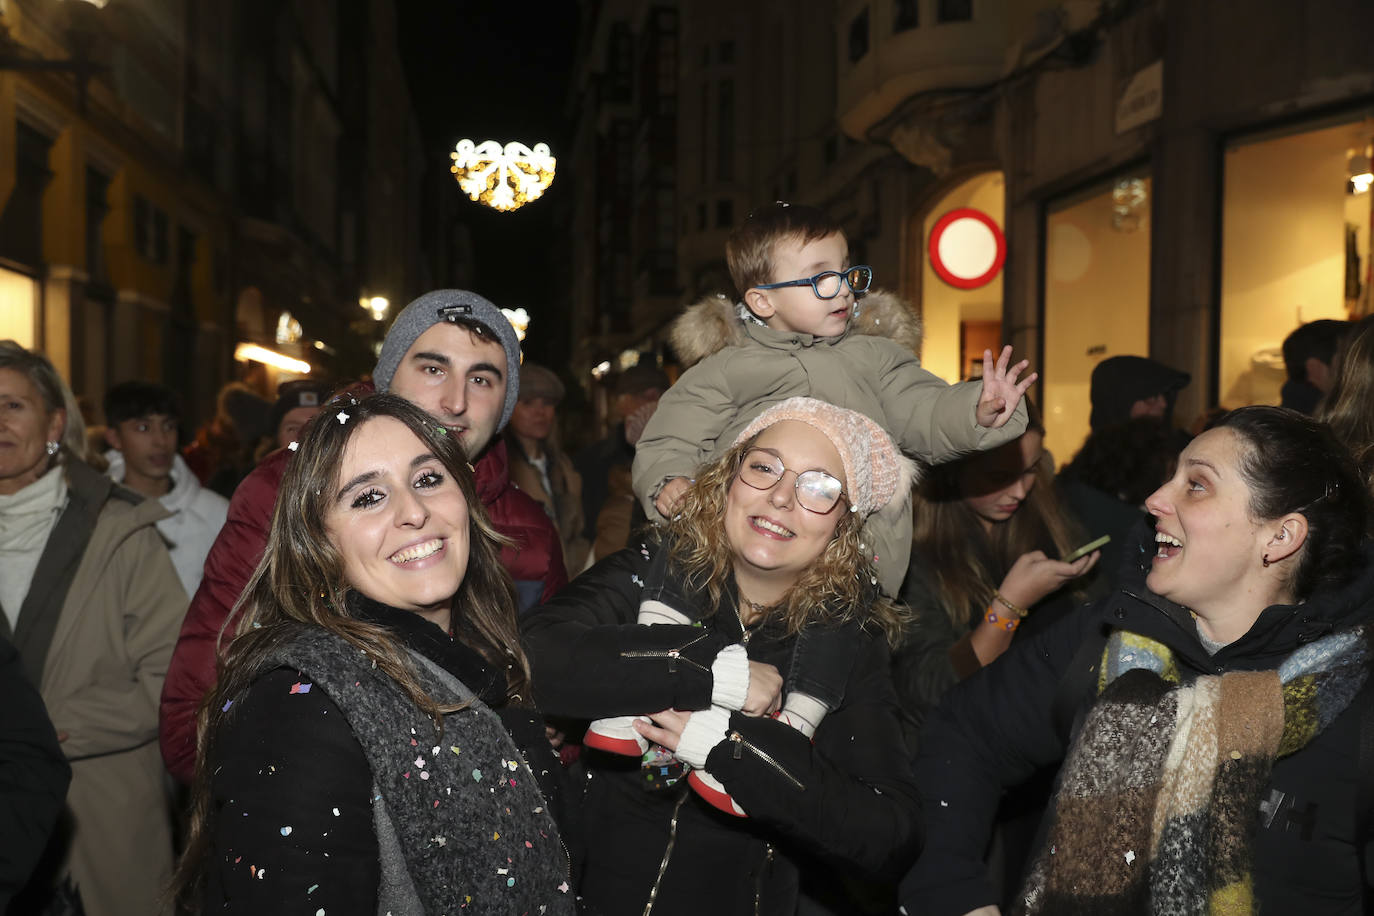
point(985, 565)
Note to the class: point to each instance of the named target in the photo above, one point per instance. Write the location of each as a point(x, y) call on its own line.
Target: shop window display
point(1295, 244)
point(18, 307)
point(1097, 296)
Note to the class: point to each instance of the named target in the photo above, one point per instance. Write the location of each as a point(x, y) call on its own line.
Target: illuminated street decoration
point(519, 319)
point(503, 178)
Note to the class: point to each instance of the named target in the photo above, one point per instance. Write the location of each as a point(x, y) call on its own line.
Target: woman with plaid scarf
point(1215, 762)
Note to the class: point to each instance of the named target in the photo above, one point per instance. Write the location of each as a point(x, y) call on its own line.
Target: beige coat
point(102, 679)
point(563, 506)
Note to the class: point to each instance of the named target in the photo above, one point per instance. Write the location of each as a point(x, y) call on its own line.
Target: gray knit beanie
point(456, 305)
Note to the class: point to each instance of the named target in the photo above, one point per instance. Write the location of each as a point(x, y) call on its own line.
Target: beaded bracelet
point(1014, 608)
point(1008, 625)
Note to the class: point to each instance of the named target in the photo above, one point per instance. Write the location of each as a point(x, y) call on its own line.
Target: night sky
point(493, 71)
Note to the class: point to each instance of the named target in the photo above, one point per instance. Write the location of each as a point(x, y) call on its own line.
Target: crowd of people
point(809, 631)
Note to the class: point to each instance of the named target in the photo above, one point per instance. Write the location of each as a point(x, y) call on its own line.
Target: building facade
point(1173, 179)
point(207, 175)
point(115, 227)
point(1167, 178)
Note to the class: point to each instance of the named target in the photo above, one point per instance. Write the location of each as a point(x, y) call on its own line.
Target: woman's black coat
point(847, 798)
point(998, 726)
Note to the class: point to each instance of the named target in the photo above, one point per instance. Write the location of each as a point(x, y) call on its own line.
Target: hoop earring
point(51, 448)
point(1265, 560)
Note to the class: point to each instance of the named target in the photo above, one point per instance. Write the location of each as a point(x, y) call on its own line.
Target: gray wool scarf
point(461, 824)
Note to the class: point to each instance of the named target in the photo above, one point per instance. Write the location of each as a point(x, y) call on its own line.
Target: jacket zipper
point(673, 655)
point(763, 873)
point(742, 742)
point(667, 853)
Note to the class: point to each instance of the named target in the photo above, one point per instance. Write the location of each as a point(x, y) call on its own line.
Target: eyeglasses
point(817, 491)
point(827, 283)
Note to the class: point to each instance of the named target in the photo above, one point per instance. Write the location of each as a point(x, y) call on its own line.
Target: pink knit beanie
point(877, 474)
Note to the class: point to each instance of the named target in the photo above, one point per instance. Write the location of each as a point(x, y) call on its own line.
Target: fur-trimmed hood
point(713, 323)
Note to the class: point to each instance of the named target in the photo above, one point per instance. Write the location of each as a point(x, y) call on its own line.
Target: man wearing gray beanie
point(436, 351)
point(451, 353)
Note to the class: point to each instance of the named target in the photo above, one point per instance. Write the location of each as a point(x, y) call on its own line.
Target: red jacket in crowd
point(536, 564)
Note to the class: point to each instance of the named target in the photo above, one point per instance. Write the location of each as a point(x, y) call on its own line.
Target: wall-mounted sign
point(502, 177)
point(967, 248)
point(1142, 101)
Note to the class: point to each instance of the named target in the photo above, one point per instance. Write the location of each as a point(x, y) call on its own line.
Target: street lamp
point(376, 306)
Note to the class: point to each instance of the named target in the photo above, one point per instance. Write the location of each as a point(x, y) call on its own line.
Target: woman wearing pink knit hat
point(765, 672)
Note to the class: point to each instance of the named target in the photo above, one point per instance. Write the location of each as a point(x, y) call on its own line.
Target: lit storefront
point(18, 307)
point(1097, 296)
point(1295, 244)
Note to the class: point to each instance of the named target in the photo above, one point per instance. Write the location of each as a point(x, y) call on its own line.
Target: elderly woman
point(1214, 702)
point(356, 756)
point(764, 556)
point(93, 604)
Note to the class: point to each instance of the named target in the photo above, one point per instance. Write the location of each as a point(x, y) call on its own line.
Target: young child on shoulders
point(802, 331)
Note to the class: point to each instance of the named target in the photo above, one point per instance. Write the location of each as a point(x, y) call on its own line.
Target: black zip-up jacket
point(847, 799)
point(998, 726)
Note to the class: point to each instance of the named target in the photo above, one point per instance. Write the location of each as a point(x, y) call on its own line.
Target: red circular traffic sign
point(967, 248)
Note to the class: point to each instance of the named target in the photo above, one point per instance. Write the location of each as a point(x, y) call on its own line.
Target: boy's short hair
point(749, 250)
point(132, 400)
point(1317, 339)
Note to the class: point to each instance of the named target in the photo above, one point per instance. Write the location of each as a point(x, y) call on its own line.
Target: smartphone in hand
point(1087, 548)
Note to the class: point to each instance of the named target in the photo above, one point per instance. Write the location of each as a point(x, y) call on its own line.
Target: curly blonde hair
point(839, 587)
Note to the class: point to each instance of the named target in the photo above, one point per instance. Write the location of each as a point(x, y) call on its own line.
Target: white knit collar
point(46, 493)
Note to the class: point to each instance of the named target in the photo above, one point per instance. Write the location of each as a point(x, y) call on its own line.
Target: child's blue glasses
point(827, 283)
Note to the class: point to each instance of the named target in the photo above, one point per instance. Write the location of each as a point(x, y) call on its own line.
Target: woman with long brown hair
point(989, 530)
point(366, 749)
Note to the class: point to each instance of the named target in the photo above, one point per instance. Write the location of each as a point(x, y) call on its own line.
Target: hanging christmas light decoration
point(503, 178)
point(519, 319)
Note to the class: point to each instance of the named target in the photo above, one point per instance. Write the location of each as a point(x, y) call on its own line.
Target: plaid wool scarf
point(1160, 794)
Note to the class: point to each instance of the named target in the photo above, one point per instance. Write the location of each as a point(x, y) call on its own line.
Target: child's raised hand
point(670, 495)
point(1001, 390)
